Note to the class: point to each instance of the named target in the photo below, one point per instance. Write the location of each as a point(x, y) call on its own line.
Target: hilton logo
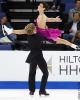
point(69, 65)
point(69, 70)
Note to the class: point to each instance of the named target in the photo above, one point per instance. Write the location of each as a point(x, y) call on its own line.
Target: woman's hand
point(57, 19)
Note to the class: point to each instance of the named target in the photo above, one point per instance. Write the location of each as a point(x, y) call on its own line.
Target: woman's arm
point(57, 19)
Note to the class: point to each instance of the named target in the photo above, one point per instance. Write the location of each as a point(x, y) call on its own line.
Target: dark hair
point(76, 0)
point(76, 13)
point(2, 15)
point(45, 5)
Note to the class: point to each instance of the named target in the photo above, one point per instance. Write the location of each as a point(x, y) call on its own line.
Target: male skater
point(36, 58)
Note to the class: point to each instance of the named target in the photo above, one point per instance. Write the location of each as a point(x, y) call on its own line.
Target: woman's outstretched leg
point(65, 42)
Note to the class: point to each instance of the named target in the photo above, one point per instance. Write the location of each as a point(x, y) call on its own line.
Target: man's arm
point(19, 32)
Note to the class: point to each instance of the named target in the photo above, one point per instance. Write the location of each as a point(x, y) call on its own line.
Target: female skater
point(50, 33)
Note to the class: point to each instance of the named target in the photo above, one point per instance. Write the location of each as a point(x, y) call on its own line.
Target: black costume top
point(34, 42)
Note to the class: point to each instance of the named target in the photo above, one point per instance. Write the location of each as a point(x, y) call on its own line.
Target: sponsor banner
point(63, 67)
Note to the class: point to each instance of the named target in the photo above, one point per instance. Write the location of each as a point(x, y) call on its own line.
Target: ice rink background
point(14, 71)
point(24, 95)
point(11, 72)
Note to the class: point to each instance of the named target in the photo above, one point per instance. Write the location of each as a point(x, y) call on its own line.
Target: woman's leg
point(63, 41)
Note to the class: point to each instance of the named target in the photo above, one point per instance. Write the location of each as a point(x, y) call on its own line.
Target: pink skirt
point(49, 33)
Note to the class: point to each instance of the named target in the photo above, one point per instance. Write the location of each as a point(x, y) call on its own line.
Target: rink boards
point(63, 67)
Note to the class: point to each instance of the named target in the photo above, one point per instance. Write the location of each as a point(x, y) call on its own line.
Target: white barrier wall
point(63, 66)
